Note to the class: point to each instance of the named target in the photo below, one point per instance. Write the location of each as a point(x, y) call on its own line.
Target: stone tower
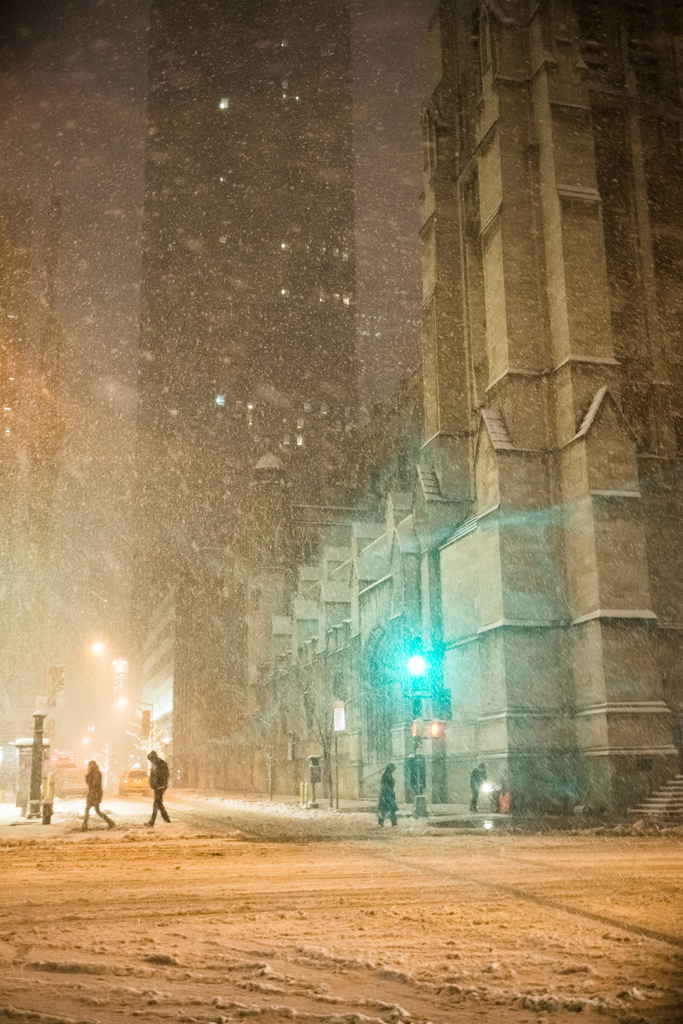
point(552, 240)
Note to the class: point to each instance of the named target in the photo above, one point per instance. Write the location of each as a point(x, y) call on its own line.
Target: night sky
point(72, 122)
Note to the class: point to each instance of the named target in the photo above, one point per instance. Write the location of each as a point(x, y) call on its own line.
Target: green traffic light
point(417, 666)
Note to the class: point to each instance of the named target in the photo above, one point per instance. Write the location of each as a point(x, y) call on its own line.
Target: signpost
point(339, 707)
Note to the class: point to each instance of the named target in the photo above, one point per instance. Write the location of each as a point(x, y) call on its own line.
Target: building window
point(223, 103)
point(220, 400)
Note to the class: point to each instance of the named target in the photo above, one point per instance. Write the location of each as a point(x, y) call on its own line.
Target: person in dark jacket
point(93, 780)
point(158, 781)
point(387, 807)
point(477, 777)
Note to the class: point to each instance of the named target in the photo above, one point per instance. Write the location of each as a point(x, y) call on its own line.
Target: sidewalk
point(460, 812)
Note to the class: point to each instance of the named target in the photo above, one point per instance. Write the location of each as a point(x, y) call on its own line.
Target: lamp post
point(35, 789)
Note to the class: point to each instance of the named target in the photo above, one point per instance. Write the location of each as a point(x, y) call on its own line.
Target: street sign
point(339, 716)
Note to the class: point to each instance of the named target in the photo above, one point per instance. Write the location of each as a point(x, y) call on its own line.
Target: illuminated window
point(299, 440)
point(220, 399)
point(284, 43)
point(224, 103)
point(299, 424)
point(345, 254)
point(285, 84)
point(284, 292)
point(307, 407)
point(347, 300)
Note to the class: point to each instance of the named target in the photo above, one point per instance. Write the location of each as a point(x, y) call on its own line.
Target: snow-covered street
point(237, 910)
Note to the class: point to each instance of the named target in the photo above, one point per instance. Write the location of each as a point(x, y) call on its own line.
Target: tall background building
point(248, 336)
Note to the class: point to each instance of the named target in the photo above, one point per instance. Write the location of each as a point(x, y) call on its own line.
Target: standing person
point(477, 777)
point(387, 807)
point(158, 781)
point(93, 780)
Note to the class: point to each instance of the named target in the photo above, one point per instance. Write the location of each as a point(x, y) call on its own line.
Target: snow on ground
point(236, 911)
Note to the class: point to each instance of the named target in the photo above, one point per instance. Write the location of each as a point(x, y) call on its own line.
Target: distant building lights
point(299, 440)
point(224, 103)
point(220, 399)
point(296, 97)
point(250, 406)
point(11, 316)
point(347, 300)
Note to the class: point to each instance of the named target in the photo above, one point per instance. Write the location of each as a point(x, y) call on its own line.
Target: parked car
point(135, 780)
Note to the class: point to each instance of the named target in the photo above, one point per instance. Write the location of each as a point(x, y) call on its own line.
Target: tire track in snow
point(530, 897)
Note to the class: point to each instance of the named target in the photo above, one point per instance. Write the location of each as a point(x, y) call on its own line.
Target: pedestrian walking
point(93, 780)
point(158, 781)
point(387, 807)
point(477, 777)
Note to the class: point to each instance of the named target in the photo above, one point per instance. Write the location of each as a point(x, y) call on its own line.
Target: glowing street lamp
point(98, 649)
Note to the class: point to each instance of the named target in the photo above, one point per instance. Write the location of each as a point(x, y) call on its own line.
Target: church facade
point(525, 527)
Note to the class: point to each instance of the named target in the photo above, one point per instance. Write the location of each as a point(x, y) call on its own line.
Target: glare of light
point(250, 406)
point(296, 97)
point(488, 824)
point(283, 245)
point(86, 739)
point(11, 316)
point(11, 378)
point(98, 648)
point(224, 103)
point(417, 666)
point(347, 300)
point(220, 399)
point(487, 787)
point(435, 730)
point(122, 702)
point(283, 291)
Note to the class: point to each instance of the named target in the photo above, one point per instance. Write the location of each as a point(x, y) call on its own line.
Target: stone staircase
point(667, 802)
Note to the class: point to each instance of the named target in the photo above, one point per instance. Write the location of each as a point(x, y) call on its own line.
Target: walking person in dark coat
point(477, 777)
point(93, 780)
point(387, 807)
point(158, 781)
